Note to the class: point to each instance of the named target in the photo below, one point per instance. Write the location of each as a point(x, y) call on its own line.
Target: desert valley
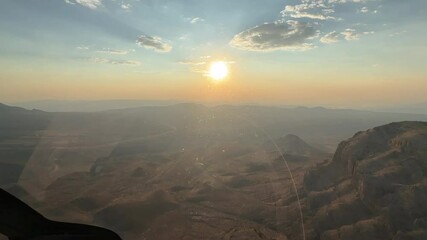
point(190, 171)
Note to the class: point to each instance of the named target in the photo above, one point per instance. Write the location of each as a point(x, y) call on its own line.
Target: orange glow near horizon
point(245, 87)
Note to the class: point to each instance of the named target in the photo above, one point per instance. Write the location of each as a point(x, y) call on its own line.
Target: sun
point(218, 71)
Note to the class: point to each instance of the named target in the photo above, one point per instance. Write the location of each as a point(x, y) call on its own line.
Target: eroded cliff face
point(374, 188)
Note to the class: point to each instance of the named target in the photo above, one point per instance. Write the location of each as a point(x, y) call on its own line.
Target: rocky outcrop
point(374, 188)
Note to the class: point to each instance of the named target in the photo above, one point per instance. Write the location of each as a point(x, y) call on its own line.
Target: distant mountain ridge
point(20, 120)
point(18, 139)
point(420, 108)
point(6, 108)
point(295, 150)
point(91, 105)
point(294, 145)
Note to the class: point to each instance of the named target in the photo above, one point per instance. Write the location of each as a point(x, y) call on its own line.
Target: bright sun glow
point(218, 71)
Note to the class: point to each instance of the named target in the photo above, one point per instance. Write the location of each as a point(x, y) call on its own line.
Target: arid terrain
point(194, 172)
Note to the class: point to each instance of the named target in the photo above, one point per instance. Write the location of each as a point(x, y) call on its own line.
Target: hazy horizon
point(85, 105)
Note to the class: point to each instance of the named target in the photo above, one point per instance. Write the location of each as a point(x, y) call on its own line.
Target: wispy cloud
point(331, 37)
point(315, 10)
point(116, 62)
point(126, 6)
point(365, 9)
point(280, 35)
point(318, 9)
point(92, 4)
point(350, 34)
point(190, 62)
point(153, 42)
point(344, 1)
point(195, 66)
point(397, 33)
point(195, 20)
point(300, 24)
point(82, 48)
point(113, 51)
point(201, 61)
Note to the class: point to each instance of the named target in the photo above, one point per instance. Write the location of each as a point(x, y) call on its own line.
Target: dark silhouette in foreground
point(18, 221)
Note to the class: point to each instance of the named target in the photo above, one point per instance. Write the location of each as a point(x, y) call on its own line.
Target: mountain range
point(190, 171)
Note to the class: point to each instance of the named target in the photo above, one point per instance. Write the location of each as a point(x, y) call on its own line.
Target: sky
point(304, 52)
